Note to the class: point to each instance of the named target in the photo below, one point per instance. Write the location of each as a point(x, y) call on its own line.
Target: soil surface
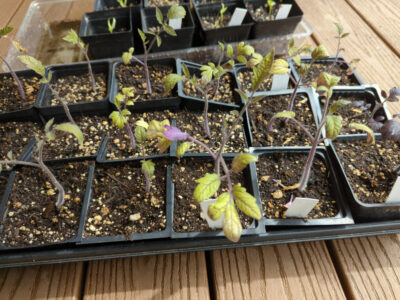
point(119, 143)
point(94, 128)
point(134, 76)
point(244, 78)
point(74, 89)
point(340, 70)
point(261, 13)
point(10, 99)
point(130, 3)
point(120, 204)
point(193, 124)
point(159, 3)
point(3, 184)
point(223, 94)
point(283, 134)
point(31, 217)
point(16, 135)
point(188, 216)
point(287, 169)
point(209, 21)
point(370, 168)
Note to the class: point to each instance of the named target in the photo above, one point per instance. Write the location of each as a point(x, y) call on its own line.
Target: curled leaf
point(333, 126)
point(241, 161)
point(182, 148)
point(170, 81)
point(246, 202)
point(370, 133)
point(338, 105)
point(280, 67)
point(216, 209)
point(231, 224)
point(320, 52)
point(71, 128)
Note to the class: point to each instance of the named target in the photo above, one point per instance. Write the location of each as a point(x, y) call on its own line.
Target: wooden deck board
point(292, 271)
point(173, 276)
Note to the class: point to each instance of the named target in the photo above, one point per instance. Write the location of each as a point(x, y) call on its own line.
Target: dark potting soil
point(209, 21)
point(287, 169)
point(3, 184)
point(134, 76)
point(74, 89)
point(10, 98)
point(159, 3)
point(370, 168)
point(31, 217)
point(223, 94)
point(94, 128)
point(120, 204)
point(261, 13)
point(193, 124)
point(136, 2)
point(188, 216)
point(340, 69)
point(119, 144)
point(283, 134)
point(16, 135)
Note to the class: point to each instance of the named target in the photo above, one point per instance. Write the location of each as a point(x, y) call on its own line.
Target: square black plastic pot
point(342, 218)
point(302, 91)
point(102, 44)
point(344, 65)
point(147, 4)
point(184, 36)
point(275, 27)
point(122, 238)
point(362, 212)
point(171, 102)
point(3, 212)
point(113, 4)
point(24, 113)
point(226, 34)
point(59, 71)
point(194, 69)
point(206, 2)
point(256, 228)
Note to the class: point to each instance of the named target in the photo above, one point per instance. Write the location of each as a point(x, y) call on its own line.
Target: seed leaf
point(338, 105)
point(71, 128)
point(182, 148)
point(207, 186)
point(159, 16)
point(370, 133)
point(170, 81)
point(6, 31)
point(148, 168)
point(333, 126)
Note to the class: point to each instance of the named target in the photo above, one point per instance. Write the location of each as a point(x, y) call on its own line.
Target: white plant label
point(175, 23)
point(280, 82)
point(238, 16)
point(283, 11)
point(394, 195)
point(301, 207)
point(204, 208)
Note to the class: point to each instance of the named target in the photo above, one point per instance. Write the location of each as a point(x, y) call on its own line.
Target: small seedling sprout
point(175, 12)
point(123, 3)
point(73, 38)
point(111, 22)
point(148, 172)
point(220, 19)
point(271, 4)
point(49, 135)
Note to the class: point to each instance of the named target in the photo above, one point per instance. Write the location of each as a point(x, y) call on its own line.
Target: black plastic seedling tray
point(107, 4)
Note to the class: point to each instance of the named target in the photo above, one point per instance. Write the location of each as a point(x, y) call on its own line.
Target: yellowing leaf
point(140, 134)
point(142, 123)
point(333, 126)
point(156, 129)
point(337, 105)
point(319, 52)
point(182, 148)
point(262, 71)
point(231, 223)
point(207, 186)
point(18, 46)
point(170, 81)
point(148, 168)
point(163, 144)
point(71, 128)
point(176, 12)
point(216, 209)
point(33, 64)
point(246, 202)
point(284, 114)
point(369, 131)
point(280, 67)
point(241, 161)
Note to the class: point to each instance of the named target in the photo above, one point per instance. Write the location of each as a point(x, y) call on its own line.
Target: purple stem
point(146, 67)
point(336, 57)
point(128, 127)
point(89, 67)
point(65, 106)
point(193, 140)
point(148, 183)
point(20, 86)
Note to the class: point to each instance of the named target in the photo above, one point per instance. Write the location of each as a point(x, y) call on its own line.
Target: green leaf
point(297, 59)
point(10, 155)
point(229, 51)
point(72, 37)
point(168, 29)
point(119, 99)
point(128, 91)
point(242, 59)
point(127, 56)
point(246, 202)
point(304, 68)
point(182, 148)
point(185, 71)
point(118, 119)
point(33, 64)
point(291, 43)
point(333, 126)
point(140, 134)
point(71, 128)
point(222, 45)
point(148, 168)
point(327, 79)
point(338, 105)
point(207, 73)
point(142, 35)
point(122, 3)
point(241, 161)
point(176, 12)
point(159, 16)
point(158, 38)
point(280, 67)
point(126, 112)
point(216, 209)
point(170, 81)
point(284, 114)
point(163, 144)
point(231, 224)
point(156, 129)
point(369, 131)
point(319, 52)
point(242, 94)
point(207, 186)
point(6, 31)
point(262, 71)
point(48, 125)
point(339, 28)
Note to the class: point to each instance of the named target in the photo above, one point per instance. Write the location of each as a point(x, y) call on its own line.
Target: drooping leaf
point(216, 209)
point(284, 114)
point(142, 35)
point(176, 12)
point(320, 52)
point(370, 133)
point(246, 202)
point(71, 128)
point(333, 126)
point(262, 71)
point(207, 186)
point(242, 94)
point(242, 160)
point(280, 67)
point(231, 223)
point(148, 167)
point(163, 144)
point(48, 125)
point(173, 133)
point(222, 45)
point(17, 45)
point(6, 31)
point(182, 148)
point(33, 64)
point(170, 81)
point(338, 105)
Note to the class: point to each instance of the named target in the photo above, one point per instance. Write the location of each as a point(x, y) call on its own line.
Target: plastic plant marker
point(238, 16)
point(280, 82)
point(301, 207)
point(204, 208)
point(394, 196)
point(175, 23)
point(283, 11)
